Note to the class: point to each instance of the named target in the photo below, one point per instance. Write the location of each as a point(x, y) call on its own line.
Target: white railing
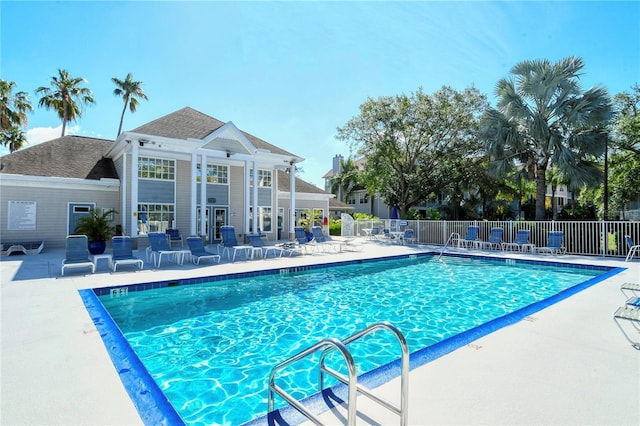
point(580, 237)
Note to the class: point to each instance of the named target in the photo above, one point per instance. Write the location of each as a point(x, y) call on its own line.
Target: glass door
point(220, 215)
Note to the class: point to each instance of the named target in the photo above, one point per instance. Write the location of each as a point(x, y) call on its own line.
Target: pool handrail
point(402, 410)
point(453, 237)
point(321, 345)
point(330, 344)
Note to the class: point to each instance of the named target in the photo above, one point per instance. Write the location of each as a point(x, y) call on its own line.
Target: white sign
point(22, 216)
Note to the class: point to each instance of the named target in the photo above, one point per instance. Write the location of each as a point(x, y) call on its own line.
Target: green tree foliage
point(627, 123)
point(413, 143)
point(624, 156)
point(13, 106)
point(13, 115)
point(543, 117)
point(624, 165)
point(13, 137)
point(346, 181)
point(130, 91)
point(66, 97)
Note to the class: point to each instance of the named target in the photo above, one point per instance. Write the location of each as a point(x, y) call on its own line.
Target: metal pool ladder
point(331, 344)
point(454, 235)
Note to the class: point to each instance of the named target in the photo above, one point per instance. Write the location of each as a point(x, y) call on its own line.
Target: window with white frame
point(264, 178)
point(264, 220)
point(155, 217)
point(156, 168)
point(216, 173)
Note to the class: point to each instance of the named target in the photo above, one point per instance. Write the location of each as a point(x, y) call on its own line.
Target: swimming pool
point(206, 344)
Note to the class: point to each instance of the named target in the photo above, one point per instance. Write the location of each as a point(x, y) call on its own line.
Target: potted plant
point(97, 227)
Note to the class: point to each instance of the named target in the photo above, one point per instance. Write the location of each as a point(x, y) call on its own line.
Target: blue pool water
point(210, 346)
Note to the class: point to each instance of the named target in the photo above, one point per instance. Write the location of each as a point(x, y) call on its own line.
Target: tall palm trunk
point(65, 116)
point(541, 191)
point(124, 109)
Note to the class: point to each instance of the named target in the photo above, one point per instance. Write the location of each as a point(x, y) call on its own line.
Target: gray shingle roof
point(69, 156)
point(190, 123)
point(284, 185)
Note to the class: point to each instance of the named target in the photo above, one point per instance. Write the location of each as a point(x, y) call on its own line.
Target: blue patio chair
point(495, 239)
point(471, 239)
point(258, 244)
point(303, 241)
point(229, 242)
point(554, 244)
point(375, 232)
point(159, 246)
point(633, 248)
point(521, 242)
point(199, 252)
point(174, 237)
point(408, 236)
point(77, 254)
point(123, 253)
point(322, 242)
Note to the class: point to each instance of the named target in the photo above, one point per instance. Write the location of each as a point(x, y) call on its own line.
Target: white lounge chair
point(495, 239)
point(199, 252)
point(123, 254)
point(229, 242)
point(554, 244)
point(471, 239)
point(633, 288)
point(256, 241)
point(322, 242)
point(521, 243)
point(160, 247)
point(628, 314)
point(633, 248)
point(77, 254)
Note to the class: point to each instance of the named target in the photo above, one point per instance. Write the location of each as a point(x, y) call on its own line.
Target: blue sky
point(292, 72)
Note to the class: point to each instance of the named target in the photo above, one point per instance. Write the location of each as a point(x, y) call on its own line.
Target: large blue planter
point(97, 247)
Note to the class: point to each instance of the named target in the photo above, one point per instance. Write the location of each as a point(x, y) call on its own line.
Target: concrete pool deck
point(567, 364)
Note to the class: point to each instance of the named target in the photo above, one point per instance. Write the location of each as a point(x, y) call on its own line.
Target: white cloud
point(37, 135)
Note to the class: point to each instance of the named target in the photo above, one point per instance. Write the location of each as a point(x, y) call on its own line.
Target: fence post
point(445, 233)
point(604, 237)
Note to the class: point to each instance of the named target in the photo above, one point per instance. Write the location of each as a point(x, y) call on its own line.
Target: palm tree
point(543, 118)
point(13, 137)
point(129, 90)
point(65, 97)
point(13, 107)
point(345, 182)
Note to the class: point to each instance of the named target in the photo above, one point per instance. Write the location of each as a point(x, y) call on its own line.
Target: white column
point(292, 185)
point(124, 216)
point(255, 197)
point(134, 188)
point(246, 196)
point(194, 198)
point(203, 193)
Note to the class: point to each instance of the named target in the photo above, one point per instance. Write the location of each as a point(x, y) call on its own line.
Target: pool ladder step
point(453, 237)
point(333, 344)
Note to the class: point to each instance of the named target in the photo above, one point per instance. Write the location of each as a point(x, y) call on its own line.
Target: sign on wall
point(22, 216)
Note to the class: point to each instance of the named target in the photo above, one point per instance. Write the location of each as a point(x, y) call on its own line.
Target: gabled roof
point(284, 185)
point(189, 123)
point(68, 156)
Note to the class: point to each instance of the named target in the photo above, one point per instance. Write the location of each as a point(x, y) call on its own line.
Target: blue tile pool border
point(154, 407)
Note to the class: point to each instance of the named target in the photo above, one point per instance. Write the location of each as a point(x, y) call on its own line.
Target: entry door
point(76, 211)
point(220, 218)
